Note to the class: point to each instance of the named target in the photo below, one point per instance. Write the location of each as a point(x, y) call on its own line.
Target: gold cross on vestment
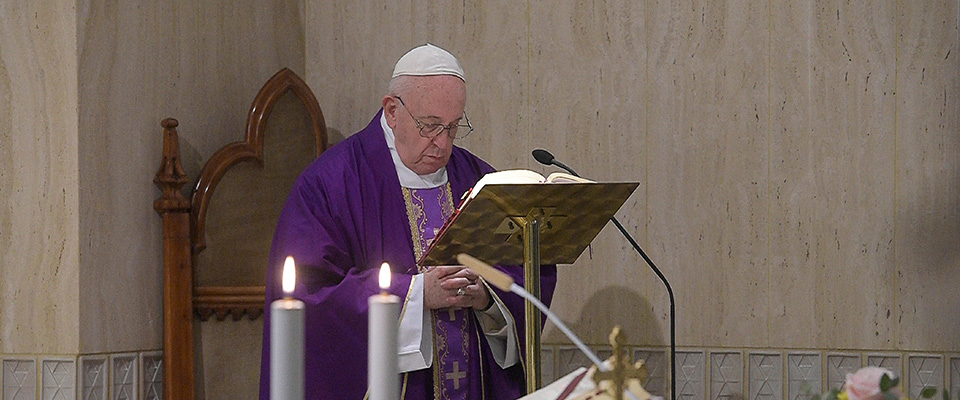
point(456, 375)
point(450, 312)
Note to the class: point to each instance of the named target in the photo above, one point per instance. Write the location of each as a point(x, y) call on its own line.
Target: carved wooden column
point(177, 270)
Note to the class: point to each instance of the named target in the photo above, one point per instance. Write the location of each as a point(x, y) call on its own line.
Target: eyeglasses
point(431, 131)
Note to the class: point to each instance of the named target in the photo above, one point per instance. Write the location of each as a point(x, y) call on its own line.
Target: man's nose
point(442, 138)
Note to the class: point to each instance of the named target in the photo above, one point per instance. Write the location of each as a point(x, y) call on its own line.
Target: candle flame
point(289, 275)
point(384, 276)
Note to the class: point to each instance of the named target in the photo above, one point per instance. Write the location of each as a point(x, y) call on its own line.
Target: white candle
point(382, 365)
point(286, 341)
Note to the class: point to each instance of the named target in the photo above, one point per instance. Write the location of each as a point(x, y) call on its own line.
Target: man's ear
point(390, 108)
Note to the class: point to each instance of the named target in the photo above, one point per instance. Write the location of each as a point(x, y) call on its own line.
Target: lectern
point(510, 224)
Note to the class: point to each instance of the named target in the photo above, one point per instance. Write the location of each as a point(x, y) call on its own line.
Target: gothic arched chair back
point(216, 245)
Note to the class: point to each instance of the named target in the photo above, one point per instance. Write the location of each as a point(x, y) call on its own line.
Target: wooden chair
point(216, 245)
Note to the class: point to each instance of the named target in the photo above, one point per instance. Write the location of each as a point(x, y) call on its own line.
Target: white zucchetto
point(428, 60)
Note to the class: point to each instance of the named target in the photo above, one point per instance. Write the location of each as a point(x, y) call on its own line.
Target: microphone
point(505, 282)
point(545, 157)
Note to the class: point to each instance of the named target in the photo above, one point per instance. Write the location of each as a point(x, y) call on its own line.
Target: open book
point(485, 224)
point(521, 176)
point(506, 177)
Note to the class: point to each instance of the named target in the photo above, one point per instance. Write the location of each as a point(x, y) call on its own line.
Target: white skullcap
point(428, 60)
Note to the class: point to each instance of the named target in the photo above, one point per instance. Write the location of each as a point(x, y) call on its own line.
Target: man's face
point(431, 100)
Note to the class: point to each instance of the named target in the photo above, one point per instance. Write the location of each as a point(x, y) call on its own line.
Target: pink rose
point(865, 384)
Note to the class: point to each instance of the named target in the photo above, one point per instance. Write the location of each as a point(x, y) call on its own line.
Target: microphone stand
point(673, 319)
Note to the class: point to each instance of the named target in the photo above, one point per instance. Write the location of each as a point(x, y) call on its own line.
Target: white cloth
point(587, 389)
point(415, 349)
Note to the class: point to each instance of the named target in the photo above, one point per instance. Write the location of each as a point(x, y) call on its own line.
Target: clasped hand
point(453, 286)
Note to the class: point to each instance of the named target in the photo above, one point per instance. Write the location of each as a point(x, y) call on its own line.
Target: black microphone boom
point(545, 157)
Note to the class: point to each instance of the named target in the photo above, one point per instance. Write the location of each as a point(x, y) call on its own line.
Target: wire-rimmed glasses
point(431, 131)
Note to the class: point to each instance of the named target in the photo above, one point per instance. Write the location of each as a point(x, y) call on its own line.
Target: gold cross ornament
point(623, 369)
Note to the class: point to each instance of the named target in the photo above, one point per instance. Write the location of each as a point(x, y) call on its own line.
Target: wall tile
point(658, 369)
point(765, 376)
point(838, 366)
point(691, 368)
point(19, 379)
point(94, 378)
point(124, 377)
point(569, 358)
point(58, 378)
point(804, 375)
point(954, 384)
point(151, 370)
point(923, 370)
point(890, 361)
point(726, 375)
point(548, 365)
point(603, 352)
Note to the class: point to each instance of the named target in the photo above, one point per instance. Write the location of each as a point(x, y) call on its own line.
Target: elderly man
point(382, 195)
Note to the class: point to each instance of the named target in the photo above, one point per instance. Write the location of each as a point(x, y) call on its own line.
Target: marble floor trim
point(126, 376)
point(705, 373)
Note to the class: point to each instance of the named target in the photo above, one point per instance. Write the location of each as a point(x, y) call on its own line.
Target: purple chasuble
point(345, 215)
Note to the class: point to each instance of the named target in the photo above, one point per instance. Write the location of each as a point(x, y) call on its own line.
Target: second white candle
point(382, 363)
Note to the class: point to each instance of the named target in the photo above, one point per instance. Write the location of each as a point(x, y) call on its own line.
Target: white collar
point(408, 178)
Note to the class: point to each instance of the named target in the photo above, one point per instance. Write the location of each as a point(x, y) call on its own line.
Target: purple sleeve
point(316, 228)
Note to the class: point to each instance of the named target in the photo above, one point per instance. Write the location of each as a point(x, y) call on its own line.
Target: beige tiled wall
point(798, 160)
point(125, 375)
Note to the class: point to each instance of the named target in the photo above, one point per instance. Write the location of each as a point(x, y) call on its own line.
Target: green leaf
point(946, 394)
point(886, 383)
point(928, 392)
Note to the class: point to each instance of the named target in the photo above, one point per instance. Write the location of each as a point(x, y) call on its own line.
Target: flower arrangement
point(874, 383)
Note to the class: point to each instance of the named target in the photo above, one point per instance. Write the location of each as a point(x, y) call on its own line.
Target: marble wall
point(797, 160)
point(83, 88)
point(39, 217)
point(199, 62)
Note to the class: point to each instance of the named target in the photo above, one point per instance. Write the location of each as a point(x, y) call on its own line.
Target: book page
point(563, 177)
point(506, 177)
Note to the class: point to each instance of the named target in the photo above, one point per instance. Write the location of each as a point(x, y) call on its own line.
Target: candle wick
point(383, 292)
